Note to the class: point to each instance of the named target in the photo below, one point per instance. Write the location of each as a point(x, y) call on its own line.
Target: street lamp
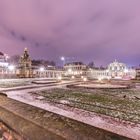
point(63, 60)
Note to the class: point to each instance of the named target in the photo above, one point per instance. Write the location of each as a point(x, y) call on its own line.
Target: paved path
point(36, 86)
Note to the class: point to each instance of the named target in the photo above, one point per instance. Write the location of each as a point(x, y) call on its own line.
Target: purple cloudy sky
point(98, 30)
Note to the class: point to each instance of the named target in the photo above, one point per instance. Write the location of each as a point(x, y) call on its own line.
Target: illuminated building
point(115, 70)
point(75, 68)
point(3, 60)
point(25, 68)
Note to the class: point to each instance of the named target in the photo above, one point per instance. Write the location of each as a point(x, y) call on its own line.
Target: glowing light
point(99, 79)
point(11, 67)
point(69, 70)
point(126, 70)
point(82, 77)
point(59, 78)
point(63, 58)
point(85, 79)
point(72, 77)
point(76, 73)
point(41, 69)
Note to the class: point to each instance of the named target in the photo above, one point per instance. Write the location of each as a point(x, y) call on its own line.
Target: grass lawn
point(107, 102)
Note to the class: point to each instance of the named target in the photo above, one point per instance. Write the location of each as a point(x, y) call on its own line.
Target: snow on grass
point(107, 102)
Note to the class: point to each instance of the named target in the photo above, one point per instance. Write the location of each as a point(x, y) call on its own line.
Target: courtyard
point(121, 104)
point(94, 103)
point(113, 100)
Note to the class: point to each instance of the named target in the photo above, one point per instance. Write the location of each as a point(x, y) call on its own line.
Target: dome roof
point(116, 63)
point(117, 66)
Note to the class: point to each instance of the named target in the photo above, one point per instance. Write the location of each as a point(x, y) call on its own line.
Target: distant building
point(75, 68)
point(115, 70)
point(26, 70)
point(138, 73)
point(25, 65)
point(3, 60)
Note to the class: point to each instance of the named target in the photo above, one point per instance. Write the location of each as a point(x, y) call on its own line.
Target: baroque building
point(26, 70)
point(3, 60)
point(115, 70)
point(3, 65)
point(25, 65)
point(75, 69)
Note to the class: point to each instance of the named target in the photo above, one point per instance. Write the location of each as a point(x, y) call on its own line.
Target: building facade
point(4, 66)
point(115, 70)
point(25, 66)
point(26, 70)
point(138, 73)
point(75, 69)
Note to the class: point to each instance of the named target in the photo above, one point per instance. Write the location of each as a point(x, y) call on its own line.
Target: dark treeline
point(42, 62)
point(35, 62)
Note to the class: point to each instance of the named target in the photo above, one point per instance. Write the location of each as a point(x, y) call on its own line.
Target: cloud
point(85, 29)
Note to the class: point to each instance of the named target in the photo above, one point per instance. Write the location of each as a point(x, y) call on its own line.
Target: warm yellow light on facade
point(59, 78)
point(41, 69)
point(73, 77)
point(84, 79)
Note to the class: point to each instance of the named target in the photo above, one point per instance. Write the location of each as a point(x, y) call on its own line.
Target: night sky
point(86, 30)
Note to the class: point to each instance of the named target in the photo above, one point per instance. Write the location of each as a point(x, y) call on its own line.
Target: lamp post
point(63, 60)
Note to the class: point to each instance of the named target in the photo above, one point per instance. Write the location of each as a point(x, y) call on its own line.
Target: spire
point(25, 55)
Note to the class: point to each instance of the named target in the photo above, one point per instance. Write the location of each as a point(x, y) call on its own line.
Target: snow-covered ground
point(114, 125)
point(101, 86)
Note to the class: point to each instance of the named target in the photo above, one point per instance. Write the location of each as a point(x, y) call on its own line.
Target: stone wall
point(32, 123)
point(8, 134)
